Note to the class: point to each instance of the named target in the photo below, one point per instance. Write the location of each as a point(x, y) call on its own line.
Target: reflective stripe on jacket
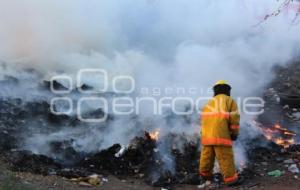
point(219, 119)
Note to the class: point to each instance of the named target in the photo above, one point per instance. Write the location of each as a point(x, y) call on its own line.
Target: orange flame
point(278, 135)
point(279, 141)
point(154, 135)
point(277, 126)
point(268, 136)
point(289, 133)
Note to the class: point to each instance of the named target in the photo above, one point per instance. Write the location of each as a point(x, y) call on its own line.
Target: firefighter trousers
point(225, 158)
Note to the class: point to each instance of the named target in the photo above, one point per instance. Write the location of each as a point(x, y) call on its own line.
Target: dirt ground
point(10, 180)
point(19, 180)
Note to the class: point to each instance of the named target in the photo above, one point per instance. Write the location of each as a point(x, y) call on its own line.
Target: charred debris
point(275, 147)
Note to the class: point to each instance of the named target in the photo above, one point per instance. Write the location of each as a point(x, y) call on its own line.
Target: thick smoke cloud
point(161, 43)
point(194, 42)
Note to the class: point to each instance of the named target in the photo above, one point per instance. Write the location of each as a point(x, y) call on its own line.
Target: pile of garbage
point(139, 159)
point(158, 161)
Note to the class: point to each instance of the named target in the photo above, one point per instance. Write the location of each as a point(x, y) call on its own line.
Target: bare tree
point(286, 4)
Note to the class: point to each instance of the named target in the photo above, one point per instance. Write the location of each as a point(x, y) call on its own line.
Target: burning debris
point(277, 134)
point(138, 159)
point(141, 158)
point(152, 135)
point(159, 159)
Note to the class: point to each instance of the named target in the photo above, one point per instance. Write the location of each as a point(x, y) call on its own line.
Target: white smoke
point(161, 43)
point(194, 42)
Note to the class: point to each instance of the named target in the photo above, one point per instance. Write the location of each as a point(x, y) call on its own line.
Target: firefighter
point(219, 128)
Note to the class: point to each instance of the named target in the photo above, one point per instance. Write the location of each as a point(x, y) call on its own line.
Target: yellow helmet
point(219, 82)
